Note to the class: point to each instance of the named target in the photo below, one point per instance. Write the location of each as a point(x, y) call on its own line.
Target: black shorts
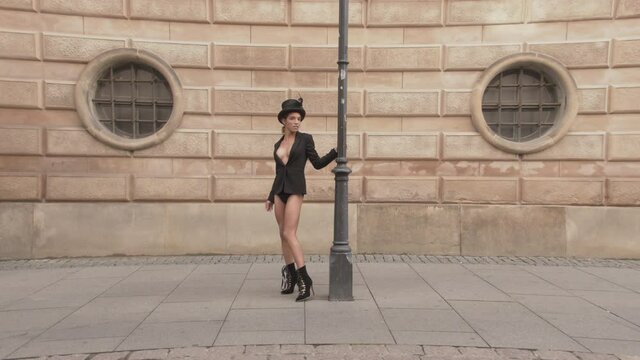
point(285, 196)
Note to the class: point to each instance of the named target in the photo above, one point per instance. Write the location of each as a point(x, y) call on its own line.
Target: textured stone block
point(182, 143)
point(401, 146)
point(324, 58)
point(476, 57)
point(20, 93)
point(324, 12)
point(401, 189)
point(621, 191)
point(250, 11)
point(626, 53)
point(443, 35)
point(248, 101)
point(77, 141)
point(299, 35)
point(237, 188)
point(197, 100)
point(574, 146)
point(592, 100)
point(195, 228)
point(144, 29)
point(87, 188)
point(192, 10)
point(578, 191)
point(466, 12)
point(59, 95)
point(326, 140)
point(549, 10)
point(17, 4)
point(19, 45)
point(323, 188)
point(325, 102)
point(263, 57)
point(404, 12)
point(471, 146)
point(418, 58)
point(456, 103)
point(284, 79)
point(77, 48)
point(109, 8)
point(171, 188)
point(179, 54)
point(20, 140)
point(405, 103)
point(576, 55)
point(628, 8)
point(480, 190)
point(244, 144)
point(512, 33)
point(19, 187)
point(603, 232)
point(18, 230)
point(513, 231)
point(624, 99)
point(624, 146)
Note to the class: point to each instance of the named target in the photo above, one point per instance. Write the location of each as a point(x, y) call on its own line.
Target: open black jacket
point(290, 177)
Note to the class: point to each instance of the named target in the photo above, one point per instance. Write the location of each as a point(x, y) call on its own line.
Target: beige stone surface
point(419, 58)
point(324, 58)
point(479, 189)
point(575, 55)
point(315, 229)
point(231, 33)
point(476, 57)
point(20, 93)
point(574, 146)
point(623, 191)
point(192, 10)
point(415, 229)
point(172, 188)
point(266, 57)
point(182, 143)
point(197, 100)
point(20, 140)
point(603, 232)
point(111, 8)
point(17, 4)
point(77, 48)
point(513, 231)
point(19, 45)
point(245, 239)
point(325, 12)
point(401, 189)
point(145, 29)
point(470, 146)
point(625, 53)
point(193, 228)
point(603, 29)
point(592, 100)
point(401, 145)
point(178, 54)
point(248, 101)
point(456, 102)
point(87, 188)
point(228, 144)
point(405, 103)
point(403, 12)
point(19, 187)
point(324, 141)
point(510, 33)
point(549, 10)
point(59, 95)
point(569, 191)
point(16, 222)
point(467, 12)
point(287, 79)
point(627, 8)
point(368, 36)
point(241, 188)
point(624, 146)
point(32, 21)
point(443, 35)
point(250, 11)
point(77, 141)
point(325, 102)
point(624, 99)
point(298, 35)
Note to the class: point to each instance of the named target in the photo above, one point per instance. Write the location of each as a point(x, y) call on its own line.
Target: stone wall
point(411, 142)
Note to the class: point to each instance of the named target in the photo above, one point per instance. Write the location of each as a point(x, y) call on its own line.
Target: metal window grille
point(521, 104)
point(133, 100)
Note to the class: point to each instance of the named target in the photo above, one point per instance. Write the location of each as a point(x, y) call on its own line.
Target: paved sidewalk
point(405, 308)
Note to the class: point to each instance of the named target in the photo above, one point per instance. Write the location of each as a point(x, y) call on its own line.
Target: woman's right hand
point(268, 205)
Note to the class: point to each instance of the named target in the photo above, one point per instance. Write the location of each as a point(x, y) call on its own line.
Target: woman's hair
point(283, 129)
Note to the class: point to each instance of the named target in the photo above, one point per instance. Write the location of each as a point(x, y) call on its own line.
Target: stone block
point(106, 8)
point(248, 101)
point(417, 58)
point(621, 191)
point(16, 140)
point(192, 10)
point(322, 189)
point(16, 222)
point(19, 187)
point(549, 10)
point(324, 12)
point(262, 57)
point(324, 141)
point(77, 48)
point(443, 35)
point(627, 8)
point(197, 100)
point(244, 239)
point(21, 94)
point(626, 53)
point(510, 33)
point(77, 141)
point(401, 145)
point(179, 54)
point(405, 103)
point(315, 231)
point(240, 145)
point(603, 232)
point(513, 231)
point(401, 189)
point(574, 146)
point(250, 11)
point(286, 79)
point(624, 146)
point(144, 29)
point(171, 188)
point(416, 228)
point(87, 188)
point(624, 99)
point(469, 12)
point(195, 228)
point(324, 58)
point(404, 13)
point(19, 45)
point(570, 191)
point(182, 143)
point(368, 36)
point(325, 102)
point(496, 190)
point(456, 102)
point(476, 57)
point(240, 188)
point(592, 100)
point(18, 5)
point(576, 55)
point(471, 146)
point(59, 95)
point(299, 35)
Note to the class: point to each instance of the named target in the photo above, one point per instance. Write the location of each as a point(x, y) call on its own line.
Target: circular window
point(524, 103)
point(129, 98)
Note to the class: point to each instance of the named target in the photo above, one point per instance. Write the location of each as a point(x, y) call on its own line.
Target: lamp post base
point(340, 277)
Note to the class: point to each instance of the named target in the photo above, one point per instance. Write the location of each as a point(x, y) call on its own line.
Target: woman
point(290, 154)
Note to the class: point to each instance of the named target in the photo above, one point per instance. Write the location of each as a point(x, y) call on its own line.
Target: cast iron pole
point(340, 261)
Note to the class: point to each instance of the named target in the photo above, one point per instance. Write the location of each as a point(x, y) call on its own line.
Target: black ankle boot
point(289, 278)
point(305, 284)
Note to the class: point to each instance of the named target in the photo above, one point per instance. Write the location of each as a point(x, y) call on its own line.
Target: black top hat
point(291, 105)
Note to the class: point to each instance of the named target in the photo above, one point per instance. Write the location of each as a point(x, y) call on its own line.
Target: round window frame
point(567, 95)
point(86, 88)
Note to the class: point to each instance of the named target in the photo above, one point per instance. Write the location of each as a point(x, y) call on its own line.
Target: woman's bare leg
point(291, 219)
point(279, 207)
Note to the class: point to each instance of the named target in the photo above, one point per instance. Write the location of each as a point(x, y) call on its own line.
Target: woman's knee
point(288, 235)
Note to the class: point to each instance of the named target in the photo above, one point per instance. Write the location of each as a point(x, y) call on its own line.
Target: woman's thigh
point(292, 212)
point(279, 208)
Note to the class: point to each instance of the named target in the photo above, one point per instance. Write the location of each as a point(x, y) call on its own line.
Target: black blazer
point(290, 177)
